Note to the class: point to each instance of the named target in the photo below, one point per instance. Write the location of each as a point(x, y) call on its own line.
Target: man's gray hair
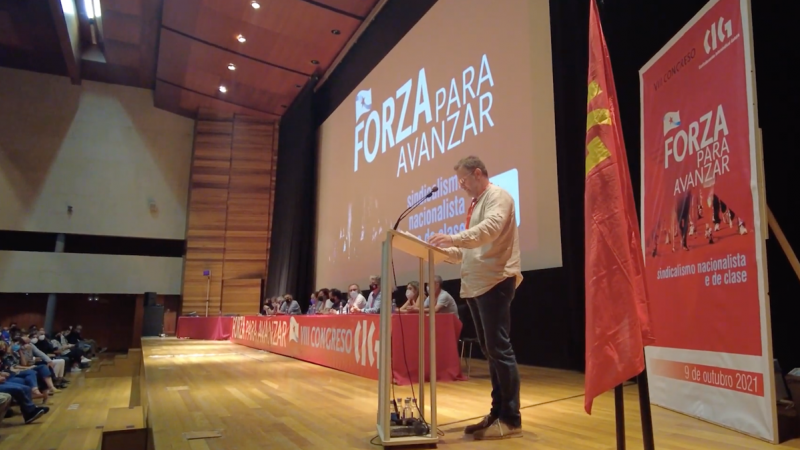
point(437, 279)
point(471, 163)
point(376, 278)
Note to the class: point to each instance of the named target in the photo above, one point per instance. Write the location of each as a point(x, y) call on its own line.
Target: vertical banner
point(701, 231)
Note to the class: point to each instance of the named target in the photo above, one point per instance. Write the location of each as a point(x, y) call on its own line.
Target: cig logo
point(719, 32)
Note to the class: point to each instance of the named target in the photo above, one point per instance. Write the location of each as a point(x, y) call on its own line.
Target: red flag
point(617, 312)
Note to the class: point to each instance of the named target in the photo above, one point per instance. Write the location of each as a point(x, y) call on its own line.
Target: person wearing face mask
point(356, 302)
point(39, 358)
point(312, 304)
point(334, 303)
point(374, 300)
point(59, 362)
point(290, 306)
point(412, 298)
point(321, 302)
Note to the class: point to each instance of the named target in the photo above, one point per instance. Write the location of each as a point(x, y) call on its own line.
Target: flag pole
point(644, 406)
point(619, 412)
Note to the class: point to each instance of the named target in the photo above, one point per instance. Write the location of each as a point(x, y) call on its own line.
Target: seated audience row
point(33, 367)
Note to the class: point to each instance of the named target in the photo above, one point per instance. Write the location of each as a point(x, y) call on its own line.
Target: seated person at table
point(356, 302)
point(412, 298)
point(312, 303)
point(290, 305)
point(334, 303)
point(317, 304)
point(374, 300)
point(268, 309)
point(444, 301)
point(312, 306)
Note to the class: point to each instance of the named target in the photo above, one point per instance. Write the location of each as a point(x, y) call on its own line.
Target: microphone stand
point(411, 208)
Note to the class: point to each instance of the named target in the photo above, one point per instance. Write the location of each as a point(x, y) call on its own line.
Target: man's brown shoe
point(486, 422)
point(498, 430)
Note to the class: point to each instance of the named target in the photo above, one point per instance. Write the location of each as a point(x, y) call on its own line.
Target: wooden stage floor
point(260, 400)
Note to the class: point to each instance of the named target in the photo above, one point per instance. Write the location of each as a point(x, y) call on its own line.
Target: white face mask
point(353, 294)
point(409, 293)
point(34, 340)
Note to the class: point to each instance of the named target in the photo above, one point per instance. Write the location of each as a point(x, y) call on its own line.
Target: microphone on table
point(411, 208)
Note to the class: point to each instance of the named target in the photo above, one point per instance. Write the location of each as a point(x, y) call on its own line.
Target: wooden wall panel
point(241, 296)
point(230, 213)
point(207, 214)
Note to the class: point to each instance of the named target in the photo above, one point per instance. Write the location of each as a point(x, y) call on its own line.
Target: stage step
point(81, 439)
point(126, 365)
point(125, 429)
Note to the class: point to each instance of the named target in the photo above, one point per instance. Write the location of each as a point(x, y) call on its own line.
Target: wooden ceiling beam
point(65, 18)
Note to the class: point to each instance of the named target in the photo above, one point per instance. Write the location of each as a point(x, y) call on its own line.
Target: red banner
point(698, 202)
point(350, 342)
point(701, 224)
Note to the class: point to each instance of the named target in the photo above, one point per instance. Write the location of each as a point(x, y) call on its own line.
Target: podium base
point(428, 439)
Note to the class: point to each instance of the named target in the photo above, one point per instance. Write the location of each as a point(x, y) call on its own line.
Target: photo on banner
point(701, 225)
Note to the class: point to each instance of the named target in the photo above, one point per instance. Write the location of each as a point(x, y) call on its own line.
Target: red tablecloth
point(215, 328)
point(350, 342)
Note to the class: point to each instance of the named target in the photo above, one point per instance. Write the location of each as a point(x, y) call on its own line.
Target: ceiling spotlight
point(255, 5)
point(231, 66)
point(241, 39)
point(223, 89)
point(314, 62)
point(337, 32)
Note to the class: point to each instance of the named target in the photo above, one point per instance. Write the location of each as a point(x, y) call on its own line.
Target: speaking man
point(488, 250)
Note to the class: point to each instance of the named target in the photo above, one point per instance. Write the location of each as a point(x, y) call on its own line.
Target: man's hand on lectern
point(441, 240)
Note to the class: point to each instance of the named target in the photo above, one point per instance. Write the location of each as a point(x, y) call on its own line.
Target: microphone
point(411, 208)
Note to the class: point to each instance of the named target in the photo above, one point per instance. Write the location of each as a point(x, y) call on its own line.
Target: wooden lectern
point(409, 244)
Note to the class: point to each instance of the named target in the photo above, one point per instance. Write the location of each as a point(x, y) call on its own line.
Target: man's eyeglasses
point(464, 178)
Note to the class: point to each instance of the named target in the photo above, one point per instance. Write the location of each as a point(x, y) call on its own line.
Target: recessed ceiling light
point(241, 39)
point(336, 31)
point(231, 66)
point(314, 62)
point(255, 5)
point(223, 89)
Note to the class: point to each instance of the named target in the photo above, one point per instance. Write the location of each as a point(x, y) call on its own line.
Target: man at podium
point(488, 250)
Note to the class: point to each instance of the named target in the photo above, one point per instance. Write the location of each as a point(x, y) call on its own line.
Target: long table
point(350, 342)
point(214, 328)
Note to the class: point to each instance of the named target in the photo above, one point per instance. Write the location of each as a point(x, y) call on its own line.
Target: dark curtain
point(294, 218)
point(569, 29)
